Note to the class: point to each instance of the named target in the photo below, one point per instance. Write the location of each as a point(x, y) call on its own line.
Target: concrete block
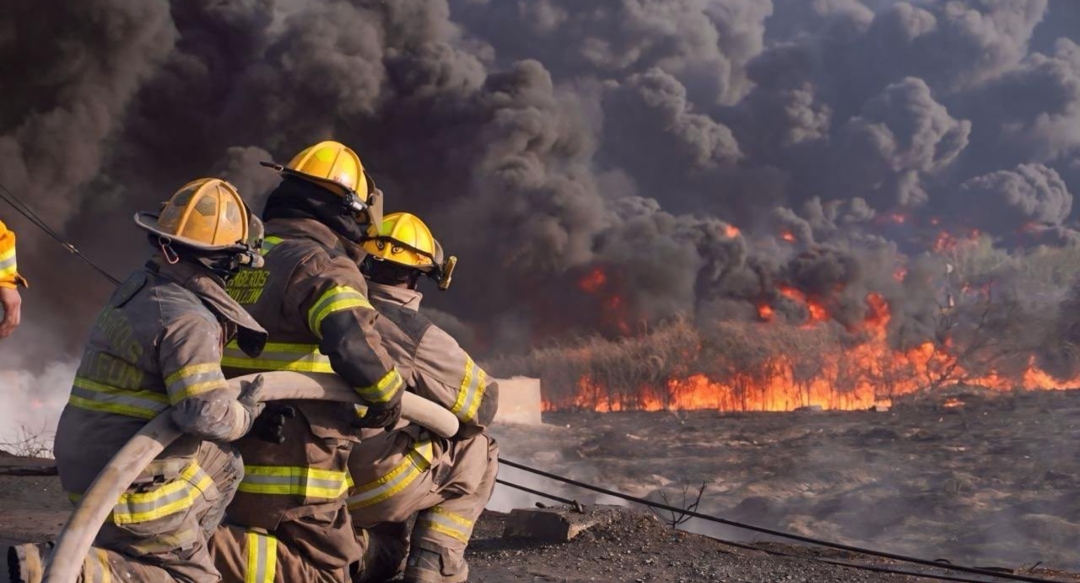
point(519, 401)
point(554, 525)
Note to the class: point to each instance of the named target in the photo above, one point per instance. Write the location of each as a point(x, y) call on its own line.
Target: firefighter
point(288, 521)
point(158, 344)
point(10, 280)
point(409, 470)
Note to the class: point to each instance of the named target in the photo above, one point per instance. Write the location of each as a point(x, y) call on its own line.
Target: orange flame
point(788, 236)
point(592, 282)
point(731, 231)
point(814, 307)
point(869, 374)
point(765, 312)
point(614, 309)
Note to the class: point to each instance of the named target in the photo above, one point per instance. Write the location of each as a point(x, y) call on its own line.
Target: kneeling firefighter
point(158, 343)
point(288, 521)
point(409, 470)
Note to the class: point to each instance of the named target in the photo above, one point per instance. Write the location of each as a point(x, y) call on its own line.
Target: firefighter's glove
point(270, 426)
point(385, 415)
point(249, 397)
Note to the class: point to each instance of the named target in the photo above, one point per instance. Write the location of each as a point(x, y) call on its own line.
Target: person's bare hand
point(11, 302)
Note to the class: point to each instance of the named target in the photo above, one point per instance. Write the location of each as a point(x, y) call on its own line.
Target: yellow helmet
point(206, 214)
point(404, 239)
point(332, 165)
point(337, 168)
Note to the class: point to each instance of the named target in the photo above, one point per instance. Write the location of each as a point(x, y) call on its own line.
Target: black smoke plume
point(698, 153)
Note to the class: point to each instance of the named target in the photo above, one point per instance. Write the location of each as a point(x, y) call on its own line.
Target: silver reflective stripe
point(261, 558)
point(8, 263)
point(194, 380)
point(260, 561)
point(471, 391)
point(470, 395)
point(296, 484)
point(374, 394)
point(411, 467)
point(279, 356)
point(447, 522)
point(93, 396)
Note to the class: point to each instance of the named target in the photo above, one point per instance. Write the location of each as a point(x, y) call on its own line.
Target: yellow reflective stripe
point(442, 520)
point(294, 481)
point(261, 558)
point(269, 243)
point(194, 380)
point(96, 567)
point(471, 393)
point(384, 390)
point(335, 299)
point(279, 356)
point(415, 463)
point(93, 396)
point(176, 496)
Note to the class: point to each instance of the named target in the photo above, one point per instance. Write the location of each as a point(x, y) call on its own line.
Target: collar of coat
point(250, 336)
point(404, 297)
point(316, 231)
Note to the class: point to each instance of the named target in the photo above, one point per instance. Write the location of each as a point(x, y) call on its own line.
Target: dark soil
point(639, 548)
point(993, 481)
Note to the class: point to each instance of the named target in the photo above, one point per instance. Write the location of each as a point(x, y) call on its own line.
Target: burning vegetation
point(999, 322)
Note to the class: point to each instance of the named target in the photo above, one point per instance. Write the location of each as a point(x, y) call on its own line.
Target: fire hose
point(93, 509)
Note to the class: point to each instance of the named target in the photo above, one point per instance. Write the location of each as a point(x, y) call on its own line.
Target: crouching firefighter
point(158, 344)
point(288, 521)
point(409, 470)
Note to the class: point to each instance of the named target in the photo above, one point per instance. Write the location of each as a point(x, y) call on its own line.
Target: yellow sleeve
point(9, 271)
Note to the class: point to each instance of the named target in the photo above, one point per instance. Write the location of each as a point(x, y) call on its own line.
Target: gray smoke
point(543, 140)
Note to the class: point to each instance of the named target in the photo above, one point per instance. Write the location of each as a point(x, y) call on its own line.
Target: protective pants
point(172, 547)
point(448, 497)
point(252, 556)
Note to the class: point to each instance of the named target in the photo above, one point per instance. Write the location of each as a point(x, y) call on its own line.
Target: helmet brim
point(149, 222)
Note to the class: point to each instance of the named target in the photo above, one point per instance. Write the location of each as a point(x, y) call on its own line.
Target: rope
point(9, 197)
point(771, 532)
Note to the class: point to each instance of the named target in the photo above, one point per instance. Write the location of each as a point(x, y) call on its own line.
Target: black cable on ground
point(9, 197)
point(771, 532)
point(536, 492)
point(870, 568)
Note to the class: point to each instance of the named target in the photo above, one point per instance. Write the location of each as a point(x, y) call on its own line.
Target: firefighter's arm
point(190, 358)
point(338, 313)
point(451, 378)
point(9, 269)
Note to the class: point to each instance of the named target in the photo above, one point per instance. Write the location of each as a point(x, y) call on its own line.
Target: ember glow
point(613, 306)
point(817, 312)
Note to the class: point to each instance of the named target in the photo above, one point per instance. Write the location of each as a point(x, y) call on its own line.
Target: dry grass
point(29, 442)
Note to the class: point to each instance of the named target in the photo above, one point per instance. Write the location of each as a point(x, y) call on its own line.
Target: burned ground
point(989, 482)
